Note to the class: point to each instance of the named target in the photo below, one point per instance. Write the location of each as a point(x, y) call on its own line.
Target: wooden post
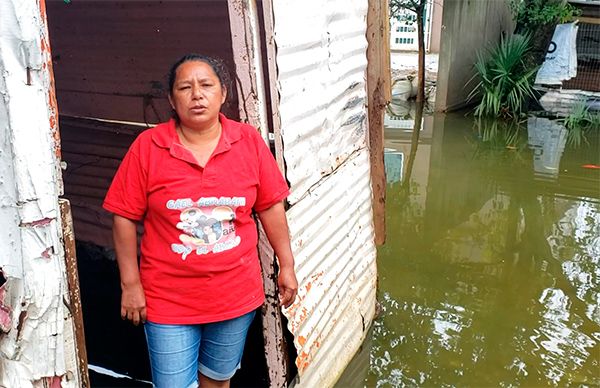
point(271, 68)
point(246, 40)
point(74, 291)
point(379, 94)
point(275, 343)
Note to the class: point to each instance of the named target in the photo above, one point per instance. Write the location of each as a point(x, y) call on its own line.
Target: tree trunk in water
point(421, 41)
point(414, 144)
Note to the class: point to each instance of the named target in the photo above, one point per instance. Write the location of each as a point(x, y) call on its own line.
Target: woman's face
point(197, 95)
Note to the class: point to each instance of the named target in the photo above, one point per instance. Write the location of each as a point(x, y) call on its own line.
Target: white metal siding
point(321, 58)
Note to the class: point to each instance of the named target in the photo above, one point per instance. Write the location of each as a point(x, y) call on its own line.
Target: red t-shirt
point(199, 261)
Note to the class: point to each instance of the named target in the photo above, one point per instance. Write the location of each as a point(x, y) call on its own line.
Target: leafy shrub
point(533, 14)
point(505, 83)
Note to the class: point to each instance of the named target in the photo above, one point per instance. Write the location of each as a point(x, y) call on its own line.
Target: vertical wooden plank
point(379, 91)
point(74, 291)
point(246, 42)
point(271, 67)
point(245, 39)
point(275, 342)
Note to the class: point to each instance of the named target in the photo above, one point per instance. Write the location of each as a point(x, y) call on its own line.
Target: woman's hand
point(288, 286)
point(275, 224)
point(133, 303)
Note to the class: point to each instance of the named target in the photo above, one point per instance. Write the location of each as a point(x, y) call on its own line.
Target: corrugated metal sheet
point(322, 63)
point(321, 58)
point(111, 58)
point(333, 243)
point(92, 151)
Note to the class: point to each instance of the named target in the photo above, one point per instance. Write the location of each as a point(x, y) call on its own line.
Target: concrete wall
point(467, 26)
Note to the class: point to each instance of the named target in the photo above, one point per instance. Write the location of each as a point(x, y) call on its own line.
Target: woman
point(197, 292)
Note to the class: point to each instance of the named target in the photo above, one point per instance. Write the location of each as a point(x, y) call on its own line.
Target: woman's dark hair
point(216, 64)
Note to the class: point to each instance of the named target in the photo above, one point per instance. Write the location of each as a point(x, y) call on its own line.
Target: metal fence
point(588, 59)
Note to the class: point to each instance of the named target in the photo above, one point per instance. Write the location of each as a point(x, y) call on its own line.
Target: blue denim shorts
point(179, 352)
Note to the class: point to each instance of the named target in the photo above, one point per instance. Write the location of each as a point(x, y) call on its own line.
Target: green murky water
point(491, 271)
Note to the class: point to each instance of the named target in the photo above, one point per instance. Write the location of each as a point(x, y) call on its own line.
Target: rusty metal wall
point(111, 58)
point(321, 60)
point(333, 243)
point(92, 151)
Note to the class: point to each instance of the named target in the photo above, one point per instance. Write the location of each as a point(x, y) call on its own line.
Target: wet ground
point(491, 271)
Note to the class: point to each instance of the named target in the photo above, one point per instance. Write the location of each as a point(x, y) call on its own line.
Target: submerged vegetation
point(582, 117)
point(505, 83)
point(578, 122)
point(500, 135)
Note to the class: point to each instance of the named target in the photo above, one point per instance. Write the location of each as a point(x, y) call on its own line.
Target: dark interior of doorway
point(119, 346)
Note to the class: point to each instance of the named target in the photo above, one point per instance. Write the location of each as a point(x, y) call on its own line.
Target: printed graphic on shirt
point(207, 225)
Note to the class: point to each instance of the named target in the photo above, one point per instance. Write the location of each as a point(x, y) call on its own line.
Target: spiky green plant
point(582, 117)
point(578, 122)
point(505, 83)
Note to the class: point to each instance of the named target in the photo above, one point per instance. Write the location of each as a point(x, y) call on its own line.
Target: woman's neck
point(193, 136)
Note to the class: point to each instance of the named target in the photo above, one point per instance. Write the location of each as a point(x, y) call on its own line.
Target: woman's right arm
point(133, 301)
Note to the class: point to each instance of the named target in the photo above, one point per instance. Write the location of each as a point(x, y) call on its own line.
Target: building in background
point(403, 29)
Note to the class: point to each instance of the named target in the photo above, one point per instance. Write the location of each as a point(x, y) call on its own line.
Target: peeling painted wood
point(275, 343)
point(36, 348)
point(379, 92)
point(74, 291)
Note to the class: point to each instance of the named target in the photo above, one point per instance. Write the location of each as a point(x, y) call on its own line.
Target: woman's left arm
point(275, 224)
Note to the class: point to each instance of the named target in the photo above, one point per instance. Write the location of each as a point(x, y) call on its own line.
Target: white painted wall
point(36, 330)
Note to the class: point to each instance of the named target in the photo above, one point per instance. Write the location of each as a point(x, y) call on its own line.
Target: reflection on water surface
point(490, 275)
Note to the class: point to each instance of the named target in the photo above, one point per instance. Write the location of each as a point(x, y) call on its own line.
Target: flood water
point(490, 275)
